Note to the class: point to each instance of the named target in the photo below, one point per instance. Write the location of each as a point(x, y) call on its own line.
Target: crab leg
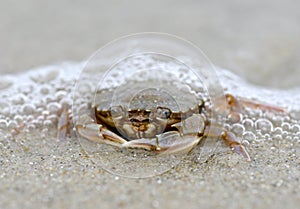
point(236, 105)
point(63, 124)
point(230, 139)
point(236, 146)
point(96, 132)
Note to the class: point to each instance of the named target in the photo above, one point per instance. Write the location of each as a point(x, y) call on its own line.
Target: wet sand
point(257, 40)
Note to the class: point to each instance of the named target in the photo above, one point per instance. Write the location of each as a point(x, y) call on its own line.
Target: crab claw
point(87, 128)
point(167, 143)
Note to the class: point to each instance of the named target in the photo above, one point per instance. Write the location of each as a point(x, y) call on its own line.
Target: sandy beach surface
point(257, 40)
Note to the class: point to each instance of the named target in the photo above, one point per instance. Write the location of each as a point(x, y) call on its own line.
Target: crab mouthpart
point(139, 120)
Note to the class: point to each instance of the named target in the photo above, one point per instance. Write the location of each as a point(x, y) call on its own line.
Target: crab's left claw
point(87, 128)
point(166, 143)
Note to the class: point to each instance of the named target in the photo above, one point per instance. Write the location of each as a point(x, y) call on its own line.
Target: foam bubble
point(5, 82)
point(295, 128)
point(28, 109)
point(18, 99)
point(264, 126)
point(53, 107)
point(12, 124)
point(249, 136)
point(248, 124)
point(34, 99)
point(44, 89)
point(238, 129)
point(286, 126)
point(235, 117)
point(3, 124)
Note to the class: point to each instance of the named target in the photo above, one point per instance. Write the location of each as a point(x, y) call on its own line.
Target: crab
point(157, 121)
point(160, 119)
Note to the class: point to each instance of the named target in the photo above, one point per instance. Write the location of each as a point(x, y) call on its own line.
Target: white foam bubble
point(264, 125)
point(34, 98)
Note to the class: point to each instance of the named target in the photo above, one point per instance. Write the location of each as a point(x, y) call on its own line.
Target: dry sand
point(258, 40)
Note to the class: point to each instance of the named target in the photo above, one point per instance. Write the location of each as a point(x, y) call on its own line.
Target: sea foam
point(34, 99)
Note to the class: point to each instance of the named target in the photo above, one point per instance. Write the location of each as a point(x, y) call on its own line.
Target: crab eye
point(163, 113)
point(116, 111)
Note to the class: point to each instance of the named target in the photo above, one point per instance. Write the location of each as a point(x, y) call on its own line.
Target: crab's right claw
point(167, 143)
point(170, 143)
point(87, 128)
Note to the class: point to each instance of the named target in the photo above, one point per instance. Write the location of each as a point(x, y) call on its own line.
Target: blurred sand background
point(258, 40)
